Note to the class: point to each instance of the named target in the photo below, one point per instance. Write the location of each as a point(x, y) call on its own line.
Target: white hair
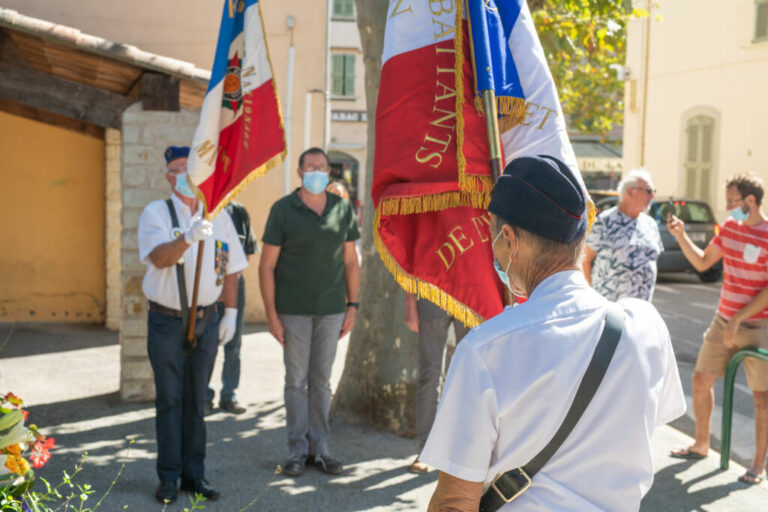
point(632, 177)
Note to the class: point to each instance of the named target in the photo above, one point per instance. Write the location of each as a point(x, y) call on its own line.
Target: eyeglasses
point(730, 204)
point(649, 191)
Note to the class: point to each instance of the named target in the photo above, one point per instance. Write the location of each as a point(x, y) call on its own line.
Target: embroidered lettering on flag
point(431, 230)
point(240, 135)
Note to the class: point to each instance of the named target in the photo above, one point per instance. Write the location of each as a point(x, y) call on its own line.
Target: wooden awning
point(59, 75)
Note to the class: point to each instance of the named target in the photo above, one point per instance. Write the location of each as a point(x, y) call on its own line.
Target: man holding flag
point(169, 232)
point(239, 137)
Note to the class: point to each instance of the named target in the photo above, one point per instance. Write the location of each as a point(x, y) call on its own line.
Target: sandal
point(686, 453)
point(750, 478)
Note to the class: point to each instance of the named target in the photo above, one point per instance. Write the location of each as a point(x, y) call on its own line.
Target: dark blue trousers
point(181, 383)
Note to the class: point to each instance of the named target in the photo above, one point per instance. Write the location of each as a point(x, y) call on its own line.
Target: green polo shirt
point(309, 277)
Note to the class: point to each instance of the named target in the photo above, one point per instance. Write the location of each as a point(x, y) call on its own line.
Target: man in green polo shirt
point(310, 278)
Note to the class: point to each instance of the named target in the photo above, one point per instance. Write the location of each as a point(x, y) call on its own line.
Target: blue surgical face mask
point(182, 186)
point(739, 214)
point(315, 181)
point(502, 273)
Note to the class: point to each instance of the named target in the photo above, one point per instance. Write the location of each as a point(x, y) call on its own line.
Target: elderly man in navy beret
point(514, 379)
point(169, 232)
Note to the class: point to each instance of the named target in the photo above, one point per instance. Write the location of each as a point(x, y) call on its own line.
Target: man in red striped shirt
point(742, 315)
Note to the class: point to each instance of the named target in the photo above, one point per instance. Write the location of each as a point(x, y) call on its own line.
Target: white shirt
point(160, 284)
point(513, 379)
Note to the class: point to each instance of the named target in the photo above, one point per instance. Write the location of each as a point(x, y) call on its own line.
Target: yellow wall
point(52, 229)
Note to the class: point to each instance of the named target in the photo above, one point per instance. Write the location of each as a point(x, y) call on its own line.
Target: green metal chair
point(730, 377)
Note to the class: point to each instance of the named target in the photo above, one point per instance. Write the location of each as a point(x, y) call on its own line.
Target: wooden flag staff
point(193, 310)
point(198, 265)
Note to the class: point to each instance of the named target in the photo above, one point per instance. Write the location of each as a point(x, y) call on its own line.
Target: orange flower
point(13, 449)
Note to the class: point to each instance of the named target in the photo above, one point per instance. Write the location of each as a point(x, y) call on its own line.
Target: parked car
point(699, 223)
point(599, 195)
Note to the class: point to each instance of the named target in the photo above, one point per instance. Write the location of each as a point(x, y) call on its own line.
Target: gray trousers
point(310, 347)
point(433, 332)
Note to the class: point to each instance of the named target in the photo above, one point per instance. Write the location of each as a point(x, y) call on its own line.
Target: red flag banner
point(240, 135)
point(431, 226)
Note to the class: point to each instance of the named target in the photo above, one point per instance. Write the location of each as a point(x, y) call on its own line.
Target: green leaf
point(10, 419)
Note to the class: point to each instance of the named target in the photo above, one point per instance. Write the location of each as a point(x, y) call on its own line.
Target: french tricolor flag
point(509, 59)
point(240, 135)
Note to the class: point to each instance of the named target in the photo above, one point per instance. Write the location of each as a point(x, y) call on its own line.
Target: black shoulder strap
point(601, 358)
point(180, 270)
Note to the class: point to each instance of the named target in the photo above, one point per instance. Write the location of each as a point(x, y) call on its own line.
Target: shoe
point(200, 487)
point(166, 492)
point(295, 465)
point(232, 406)
point(327, 464)
point(418, 467)
point(208, 409)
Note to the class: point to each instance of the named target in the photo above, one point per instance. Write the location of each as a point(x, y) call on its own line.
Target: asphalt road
point(687, 306)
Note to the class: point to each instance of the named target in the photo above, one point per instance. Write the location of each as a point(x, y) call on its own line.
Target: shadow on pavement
point(691, 494)
point(29, 339)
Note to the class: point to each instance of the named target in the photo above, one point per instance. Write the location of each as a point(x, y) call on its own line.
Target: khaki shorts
point(714, 356)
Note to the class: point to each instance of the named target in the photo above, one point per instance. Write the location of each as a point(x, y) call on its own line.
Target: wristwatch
point(355, 305)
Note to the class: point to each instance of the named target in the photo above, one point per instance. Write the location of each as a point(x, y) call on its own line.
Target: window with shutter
point(343, 75)
point(700, 153)
point(344, 8)
point(761, 20)
point(349, 75)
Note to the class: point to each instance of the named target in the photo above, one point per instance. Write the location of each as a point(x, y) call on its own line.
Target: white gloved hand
point(199, 230)
point(227, 325)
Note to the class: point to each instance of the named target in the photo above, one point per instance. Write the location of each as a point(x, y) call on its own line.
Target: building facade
point(186, 31)
point(694, 100)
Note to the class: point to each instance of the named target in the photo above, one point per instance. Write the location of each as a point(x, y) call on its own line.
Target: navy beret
point(541, 195)
point(174, 152)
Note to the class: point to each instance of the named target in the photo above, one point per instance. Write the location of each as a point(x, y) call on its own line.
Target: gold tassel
point(422, 289)
point(512, 111)
point(479, 106)
point(591, 214)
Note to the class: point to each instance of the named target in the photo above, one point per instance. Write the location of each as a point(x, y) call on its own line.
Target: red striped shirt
point(745, 265)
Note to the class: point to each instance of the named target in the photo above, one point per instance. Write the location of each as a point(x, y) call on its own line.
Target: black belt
point(158, 308)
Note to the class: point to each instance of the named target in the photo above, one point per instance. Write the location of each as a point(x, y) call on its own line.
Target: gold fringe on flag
point(513, 111)
point(433, 203)
point(422, 289)
point(472, 183)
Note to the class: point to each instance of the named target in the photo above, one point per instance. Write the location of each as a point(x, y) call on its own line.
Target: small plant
point(17, 443)
point(17, 477)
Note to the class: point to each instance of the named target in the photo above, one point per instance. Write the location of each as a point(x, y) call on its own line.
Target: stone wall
point(145, 136)
point(112, 227)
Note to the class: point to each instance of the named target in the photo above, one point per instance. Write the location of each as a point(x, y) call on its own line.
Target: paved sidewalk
point(68, 375)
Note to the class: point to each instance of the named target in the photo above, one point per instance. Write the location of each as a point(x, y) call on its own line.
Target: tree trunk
point(379, 381)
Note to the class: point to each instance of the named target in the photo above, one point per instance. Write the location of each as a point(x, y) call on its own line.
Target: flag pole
point(494, 138)
point(198, 266)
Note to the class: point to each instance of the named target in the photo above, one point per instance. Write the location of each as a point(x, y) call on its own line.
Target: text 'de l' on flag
point(431, 226)
point(240, 135)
